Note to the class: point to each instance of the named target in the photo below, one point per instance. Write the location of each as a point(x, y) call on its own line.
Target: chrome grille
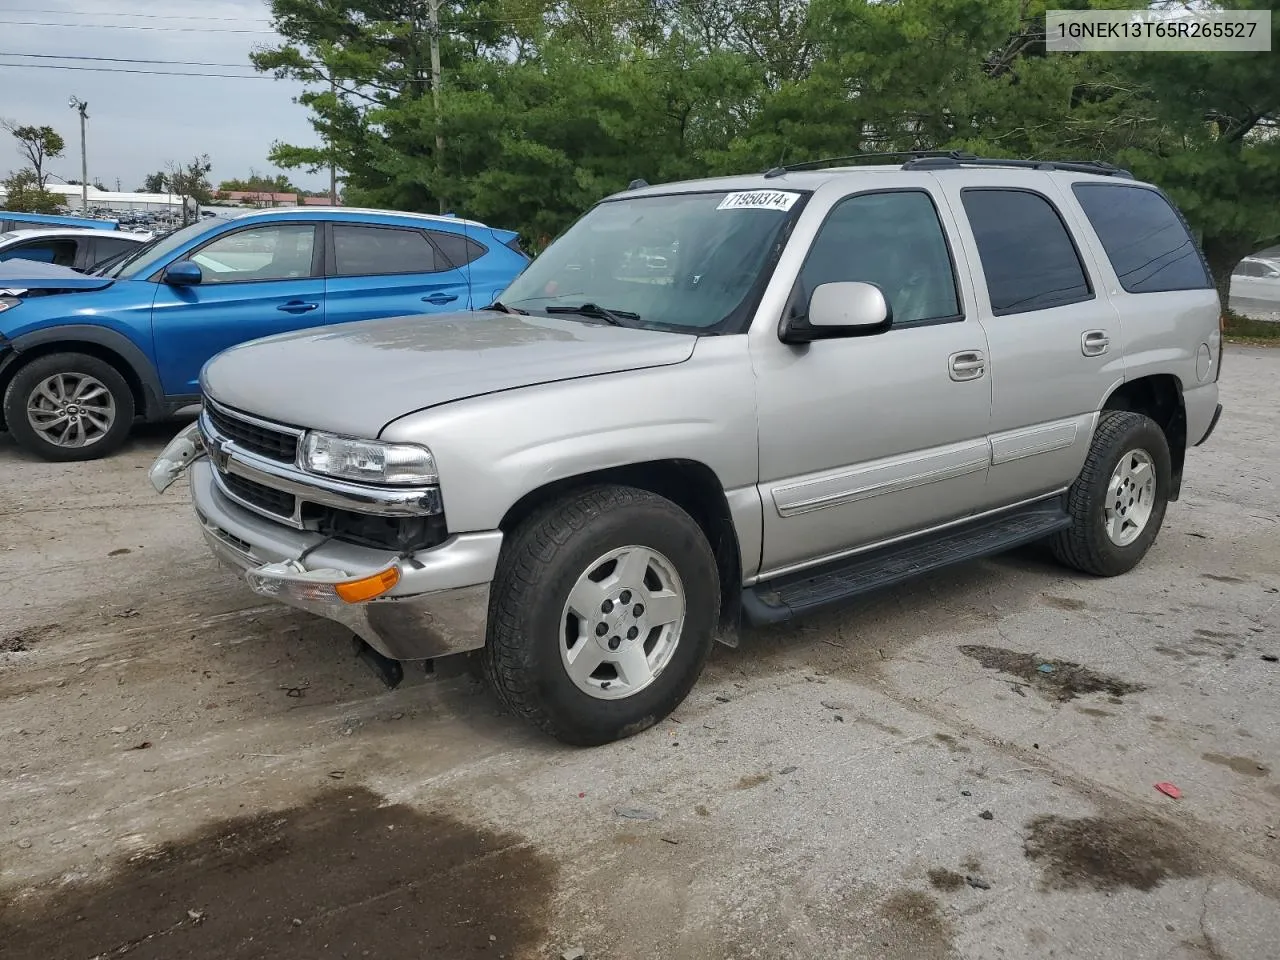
point(273, 501)
point(253, 435)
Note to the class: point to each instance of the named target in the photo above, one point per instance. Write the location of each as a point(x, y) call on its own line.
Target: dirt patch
point(1222, 578)
point(879, 725)
point(1245, 766)
point(23, 640)
point(1214, 635)
point(339, 876)
point(951, 743)
point(941, 878)
point(1095, 712)
point(1062, 680)
point(1097, 853)
point(1064, 603)
point(911, 927)
point(752, 781)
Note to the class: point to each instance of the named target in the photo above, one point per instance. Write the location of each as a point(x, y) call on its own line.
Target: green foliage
point(26, 195)
point(36, 145)
point(191, 181)
point(157, 182)
point(545, 106)
point(259, 183)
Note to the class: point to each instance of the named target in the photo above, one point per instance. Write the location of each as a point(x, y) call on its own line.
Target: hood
point(18, 276)
point(355, 378)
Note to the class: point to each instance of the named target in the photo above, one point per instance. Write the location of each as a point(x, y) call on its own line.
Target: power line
point(128, 26)
point(157, 73)
point(174, 63)
point(139, 16)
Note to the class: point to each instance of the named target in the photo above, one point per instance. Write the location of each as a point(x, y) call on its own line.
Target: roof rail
point(910, 155)
point(957, 160)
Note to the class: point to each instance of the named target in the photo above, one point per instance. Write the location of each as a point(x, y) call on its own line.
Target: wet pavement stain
point(340, 876)
point(1222, 578)
point(752, 781)
point(1064, 603)
point(20, 641)
point(941, 878)
point(1245, 766)
point(910, 927)
point(1096, 853)
point(1064, 681)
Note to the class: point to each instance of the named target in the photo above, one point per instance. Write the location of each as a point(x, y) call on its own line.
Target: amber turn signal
point(368, 588)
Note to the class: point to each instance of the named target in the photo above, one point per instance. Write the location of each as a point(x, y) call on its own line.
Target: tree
point(258, 183)
point(191, 182)
point(26, 195)
point(157, 182)
point(36, 145)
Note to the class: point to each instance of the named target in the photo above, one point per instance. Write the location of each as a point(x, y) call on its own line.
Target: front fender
point(111, 340)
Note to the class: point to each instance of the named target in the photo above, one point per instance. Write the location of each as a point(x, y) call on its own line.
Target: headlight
point(8, 303)
point(368, 460)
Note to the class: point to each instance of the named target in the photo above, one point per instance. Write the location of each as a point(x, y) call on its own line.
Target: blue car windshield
point(682, 261)
point(151, 254)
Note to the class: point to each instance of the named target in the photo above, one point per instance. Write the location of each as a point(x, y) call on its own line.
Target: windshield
point(145, 259)
point(678, 260)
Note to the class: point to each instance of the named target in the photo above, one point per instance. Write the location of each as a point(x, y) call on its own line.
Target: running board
point(797, 594)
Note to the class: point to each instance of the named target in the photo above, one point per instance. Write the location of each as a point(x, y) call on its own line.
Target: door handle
point(967, 365)
point(1094, 343)
point(440, 298)
point(297, 306)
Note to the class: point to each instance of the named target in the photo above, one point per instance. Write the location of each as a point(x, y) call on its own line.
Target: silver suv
point(721, 402)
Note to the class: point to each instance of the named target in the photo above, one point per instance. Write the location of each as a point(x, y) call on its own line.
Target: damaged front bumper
point(428, 604)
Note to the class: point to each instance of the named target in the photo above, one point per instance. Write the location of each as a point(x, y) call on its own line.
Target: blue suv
point(82, 357)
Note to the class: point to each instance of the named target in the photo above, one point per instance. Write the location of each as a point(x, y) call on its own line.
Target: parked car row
point(83, 355)
point(77, 248)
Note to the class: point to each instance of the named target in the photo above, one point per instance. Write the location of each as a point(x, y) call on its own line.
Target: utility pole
point(433, 13)
point(333, 169)
point(77, 104)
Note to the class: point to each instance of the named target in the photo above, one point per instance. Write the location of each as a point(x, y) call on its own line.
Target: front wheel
point(603, 613)
point(69, 406)
point(1118, 501)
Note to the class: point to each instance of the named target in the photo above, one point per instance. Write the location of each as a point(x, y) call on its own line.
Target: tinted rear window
point(1145, 239)
point(459, 250)
point(361, 251)
point(1027, 255)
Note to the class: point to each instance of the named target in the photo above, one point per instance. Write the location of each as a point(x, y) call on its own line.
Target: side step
point(781, 599)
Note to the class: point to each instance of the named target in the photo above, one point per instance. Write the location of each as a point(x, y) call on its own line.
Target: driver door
point(262, 280)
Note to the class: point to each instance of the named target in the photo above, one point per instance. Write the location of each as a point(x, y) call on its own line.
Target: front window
point(683, 261)
point(153, 254)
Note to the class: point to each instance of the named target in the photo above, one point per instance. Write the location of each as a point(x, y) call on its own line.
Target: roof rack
point(956, 160)
point(953, 159)
point(832, 161)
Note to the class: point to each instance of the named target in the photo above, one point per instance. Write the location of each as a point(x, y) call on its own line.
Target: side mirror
point(184, 273)
point(843, 309)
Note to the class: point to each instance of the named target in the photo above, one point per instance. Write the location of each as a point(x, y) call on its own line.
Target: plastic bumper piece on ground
point(438, 606)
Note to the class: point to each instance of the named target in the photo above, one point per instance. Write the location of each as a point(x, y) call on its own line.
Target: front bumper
point(439, 605)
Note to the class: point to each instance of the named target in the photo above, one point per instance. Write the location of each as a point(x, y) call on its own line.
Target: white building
point(110, 199)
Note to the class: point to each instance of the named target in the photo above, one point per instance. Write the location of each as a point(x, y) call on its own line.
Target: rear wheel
point(1118, 501)
point(69, 406)
point(603, 613)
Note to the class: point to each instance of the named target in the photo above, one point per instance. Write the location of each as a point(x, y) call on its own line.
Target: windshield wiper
point(503, 308)
point(617, 318)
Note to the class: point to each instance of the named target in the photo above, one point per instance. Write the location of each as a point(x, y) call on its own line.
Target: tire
point(103, 423)
point(541, 583)
point(1090, 544)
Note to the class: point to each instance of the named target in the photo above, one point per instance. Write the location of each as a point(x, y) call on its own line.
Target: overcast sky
point(138, 122)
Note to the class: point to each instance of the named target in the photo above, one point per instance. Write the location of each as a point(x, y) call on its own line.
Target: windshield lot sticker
point(759, 200)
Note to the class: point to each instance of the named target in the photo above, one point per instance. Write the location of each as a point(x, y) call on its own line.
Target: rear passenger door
point(384, 271)
point(1049, 328)
point(56, 250)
